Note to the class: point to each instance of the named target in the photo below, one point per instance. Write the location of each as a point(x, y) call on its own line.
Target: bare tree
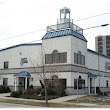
point(44, 73)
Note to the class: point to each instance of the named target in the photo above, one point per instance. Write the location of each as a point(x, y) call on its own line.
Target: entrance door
point(27, 82)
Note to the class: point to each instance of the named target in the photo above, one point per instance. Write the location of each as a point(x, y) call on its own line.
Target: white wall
point(78, 45)
point(13, 56)
point(62, 44)
point(93, 63)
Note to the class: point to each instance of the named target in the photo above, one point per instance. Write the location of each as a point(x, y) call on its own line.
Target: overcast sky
point(23, 16)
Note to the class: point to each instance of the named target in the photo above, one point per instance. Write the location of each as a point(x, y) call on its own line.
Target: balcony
point(65, 25)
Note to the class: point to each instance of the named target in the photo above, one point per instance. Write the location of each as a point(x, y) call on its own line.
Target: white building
point(63, 45)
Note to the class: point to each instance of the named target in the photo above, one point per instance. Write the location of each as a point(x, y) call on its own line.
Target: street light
point(103, 25)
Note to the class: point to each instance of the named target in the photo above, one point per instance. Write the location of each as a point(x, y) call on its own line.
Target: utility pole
point(77, 89)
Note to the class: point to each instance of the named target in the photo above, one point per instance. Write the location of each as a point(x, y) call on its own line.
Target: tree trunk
point(46, 98)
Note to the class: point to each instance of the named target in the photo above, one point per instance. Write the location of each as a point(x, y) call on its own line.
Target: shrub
point(50, 91)
point(8, 89)
point(30, 91)
point(14, 94)
point(38, 91)
point(31, 87)
point(4, 89)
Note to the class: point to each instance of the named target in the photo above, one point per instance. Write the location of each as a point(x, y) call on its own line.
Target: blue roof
point(23, 73)
point(96, 53)
point(20, 45)
point(91, 75)
point(63, 32)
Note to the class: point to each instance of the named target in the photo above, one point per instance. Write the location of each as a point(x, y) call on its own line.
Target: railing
point(63, 26)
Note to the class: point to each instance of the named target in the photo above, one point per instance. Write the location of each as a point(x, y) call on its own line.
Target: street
point(9, 105)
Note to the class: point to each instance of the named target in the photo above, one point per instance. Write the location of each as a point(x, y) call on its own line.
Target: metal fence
point(63, 26)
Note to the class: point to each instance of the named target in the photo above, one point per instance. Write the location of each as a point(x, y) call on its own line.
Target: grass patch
point(38, 97)
point(93, 99)
point(42, 104)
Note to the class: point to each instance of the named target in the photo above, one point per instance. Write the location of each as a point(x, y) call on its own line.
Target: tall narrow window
point(5, 81)
point(75, 58)
point(6, 64)
point(83, 60)
point(63, 57)
point(106, 83)
point(48, 58)
point(79, 58)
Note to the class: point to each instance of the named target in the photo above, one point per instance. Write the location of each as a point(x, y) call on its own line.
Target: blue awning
point(91, 75)
point(23, 73)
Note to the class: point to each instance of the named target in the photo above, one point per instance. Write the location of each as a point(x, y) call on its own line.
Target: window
point(63, 57)
point(75, 58)
point(83, 60)
point(106, 83)
point(100, 50)
point(108, 37)
point(56, 57)
point(81, 83)
point(79, 58)
point(99, 38)
point(5, 81)
point(6, 63)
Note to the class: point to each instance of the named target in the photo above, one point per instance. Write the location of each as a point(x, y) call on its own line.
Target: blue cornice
point(32, 44)
point(96, 53)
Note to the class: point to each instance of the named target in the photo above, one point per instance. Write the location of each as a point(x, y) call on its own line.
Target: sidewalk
point(58, 100)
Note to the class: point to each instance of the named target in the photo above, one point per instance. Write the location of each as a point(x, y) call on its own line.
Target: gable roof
point(32, 44)
point(64, 32)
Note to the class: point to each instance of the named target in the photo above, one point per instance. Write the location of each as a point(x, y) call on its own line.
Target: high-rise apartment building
point(102, 44)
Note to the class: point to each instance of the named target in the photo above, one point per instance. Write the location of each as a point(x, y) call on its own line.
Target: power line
point(91, 17)
point(21, 35)
point(44, 29)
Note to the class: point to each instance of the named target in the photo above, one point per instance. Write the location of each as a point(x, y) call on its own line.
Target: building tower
point(64, 22)
point(102, 44)
point(64, 15)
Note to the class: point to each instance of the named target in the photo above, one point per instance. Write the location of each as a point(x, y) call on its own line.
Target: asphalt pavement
point(10, 105)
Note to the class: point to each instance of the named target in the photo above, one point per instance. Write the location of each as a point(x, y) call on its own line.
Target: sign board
point(107, 66)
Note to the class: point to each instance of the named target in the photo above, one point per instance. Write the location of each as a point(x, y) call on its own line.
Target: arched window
point(55, 51)
point(79, 58)
point(55, 55)
point(79, 52)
